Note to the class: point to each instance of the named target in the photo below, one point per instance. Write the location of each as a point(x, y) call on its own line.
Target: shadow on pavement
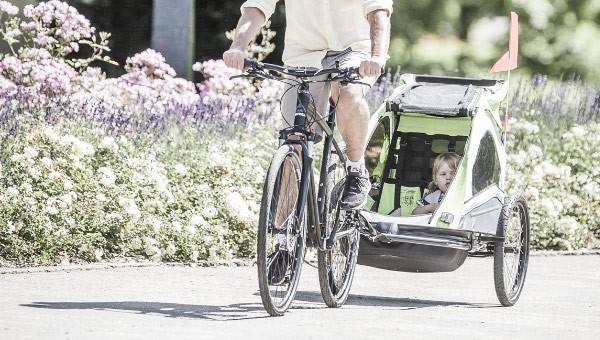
point(172, 310)
point(389, 302)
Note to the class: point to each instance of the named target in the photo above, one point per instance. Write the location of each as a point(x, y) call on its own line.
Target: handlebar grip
point(249, 63)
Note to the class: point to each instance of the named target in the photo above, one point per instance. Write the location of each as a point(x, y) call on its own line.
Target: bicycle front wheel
point(281, 239)
point(337, 265)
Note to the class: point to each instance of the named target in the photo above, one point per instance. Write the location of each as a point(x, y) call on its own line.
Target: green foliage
point(555, 37)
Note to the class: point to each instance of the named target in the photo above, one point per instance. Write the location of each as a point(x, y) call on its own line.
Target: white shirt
point(316, 26)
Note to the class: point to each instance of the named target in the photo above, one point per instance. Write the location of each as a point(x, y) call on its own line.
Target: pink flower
point(8, 8)
point(29, 26)
point(149, 63)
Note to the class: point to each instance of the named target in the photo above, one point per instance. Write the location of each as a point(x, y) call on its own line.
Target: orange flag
point(509, 60)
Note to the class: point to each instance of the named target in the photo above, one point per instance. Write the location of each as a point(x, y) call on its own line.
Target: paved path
point(561, 300)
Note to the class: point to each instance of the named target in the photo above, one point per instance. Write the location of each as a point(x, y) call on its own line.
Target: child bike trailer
point(425, 117)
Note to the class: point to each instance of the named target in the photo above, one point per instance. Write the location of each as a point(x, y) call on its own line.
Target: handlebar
point(255, 68)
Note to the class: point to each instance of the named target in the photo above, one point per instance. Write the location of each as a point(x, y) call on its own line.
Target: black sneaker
point(356, 189)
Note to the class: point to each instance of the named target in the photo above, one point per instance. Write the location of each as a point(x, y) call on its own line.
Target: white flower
point(30, 201)
point(155, 224)
point(237, 206)
point(170, 197)
point(194, 256)
point(176, 226)
point(34, 173)
point(197, 220)
point(551, 206)
point(160, 182)
point(212, 253)
point(11, 227)
point(180, 169)
point(82, 149)
point(99, 254)
point(535, 151)
point(209, 212)
point(27, 188)
point(152, 251)
point(169, 250)
point(12, 192)
point(578, 131)
point(68, 184)
point(533, 192)
point(30, 152)
point(190, 229)
point(46, 162)
point(101, 198)
point(109, 144)
point(68, 198)
point(54, 175)
point(136, 244)
point(130, 208)
point(51, 210)
point(52, 135)
point(107, 176)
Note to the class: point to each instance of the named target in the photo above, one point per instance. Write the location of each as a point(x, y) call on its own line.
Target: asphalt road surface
point(561, 300)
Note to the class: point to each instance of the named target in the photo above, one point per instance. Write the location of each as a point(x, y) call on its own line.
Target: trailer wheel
point(511, 256)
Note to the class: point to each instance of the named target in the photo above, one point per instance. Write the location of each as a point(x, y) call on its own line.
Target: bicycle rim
point(281, 236)
point(511, 256)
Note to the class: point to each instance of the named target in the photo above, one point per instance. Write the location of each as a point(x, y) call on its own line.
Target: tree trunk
point(173, 33)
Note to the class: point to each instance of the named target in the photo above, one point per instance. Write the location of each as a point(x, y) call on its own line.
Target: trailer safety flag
point(509, 60)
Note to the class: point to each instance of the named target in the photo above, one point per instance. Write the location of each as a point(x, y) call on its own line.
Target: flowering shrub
point(559, 181)
point(53, 26)
point(66, 198)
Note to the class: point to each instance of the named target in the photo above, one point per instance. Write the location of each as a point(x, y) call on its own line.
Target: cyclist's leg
point(353, 119)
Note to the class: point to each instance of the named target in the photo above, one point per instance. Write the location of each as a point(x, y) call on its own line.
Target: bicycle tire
point(279, 266)
point(336, 266)
point(511, 256)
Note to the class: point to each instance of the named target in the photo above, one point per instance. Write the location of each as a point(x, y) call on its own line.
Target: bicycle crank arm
point(337, 235)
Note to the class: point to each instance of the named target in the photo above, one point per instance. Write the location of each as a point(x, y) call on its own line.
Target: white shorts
point(320, 92)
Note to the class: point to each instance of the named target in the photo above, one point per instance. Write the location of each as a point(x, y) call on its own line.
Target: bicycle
point(293, 216)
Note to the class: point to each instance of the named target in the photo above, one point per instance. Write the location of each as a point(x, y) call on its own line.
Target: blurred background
point(558, 38)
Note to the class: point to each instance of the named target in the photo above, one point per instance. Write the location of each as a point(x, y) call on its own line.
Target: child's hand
point(425, 209)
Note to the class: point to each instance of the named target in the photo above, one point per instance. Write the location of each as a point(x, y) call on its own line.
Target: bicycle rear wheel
point(281, 239)
point(337, 265)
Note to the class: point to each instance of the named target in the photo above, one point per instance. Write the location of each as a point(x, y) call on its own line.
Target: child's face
point(444, 176)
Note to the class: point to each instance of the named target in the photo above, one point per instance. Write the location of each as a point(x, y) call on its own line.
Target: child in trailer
point(444, 169)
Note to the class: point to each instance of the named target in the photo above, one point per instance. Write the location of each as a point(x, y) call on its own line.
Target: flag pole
point(507, 103)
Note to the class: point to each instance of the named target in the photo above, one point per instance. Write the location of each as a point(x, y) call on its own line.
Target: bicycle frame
point(316, 205)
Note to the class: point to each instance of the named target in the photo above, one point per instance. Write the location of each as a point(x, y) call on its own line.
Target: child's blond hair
point(450, 158)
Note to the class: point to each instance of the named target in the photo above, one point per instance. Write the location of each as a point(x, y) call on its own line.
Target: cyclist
point(319, 34)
